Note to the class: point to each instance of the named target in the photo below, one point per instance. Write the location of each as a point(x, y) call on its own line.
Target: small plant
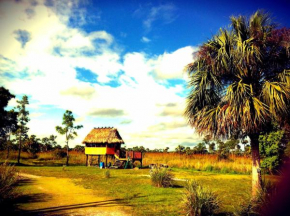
point(8, 178)
point(261, 203)
point(161, 177)
point(198, 200)
point(59, 154)
point(107, 174)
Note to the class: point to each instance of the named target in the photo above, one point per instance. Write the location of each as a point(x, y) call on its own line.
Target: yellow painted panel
point(95, 150)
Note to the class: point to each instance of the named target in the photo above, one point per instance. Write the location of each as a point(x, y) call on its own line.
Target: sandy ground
point(61, 196)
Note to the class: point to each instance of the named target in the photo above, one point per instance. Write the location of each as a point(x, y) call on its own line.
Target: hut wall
point(95, 150)
point(99, 150)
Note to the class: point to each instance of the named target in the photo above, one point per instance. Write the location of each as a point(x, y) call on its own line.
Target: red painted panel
point(137, 155)
point(134, 155)
point(111, 151)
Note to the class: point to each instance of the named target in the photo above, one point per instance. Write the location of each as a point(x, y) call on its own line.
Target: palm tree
point(240, 81)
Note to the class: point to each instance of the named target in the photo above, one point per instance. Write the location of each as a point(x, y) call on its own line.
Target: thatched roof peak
point(104, 135)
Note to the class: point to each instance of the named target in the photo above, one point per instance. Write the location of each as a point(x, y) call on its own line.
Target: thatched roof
point(104, 135)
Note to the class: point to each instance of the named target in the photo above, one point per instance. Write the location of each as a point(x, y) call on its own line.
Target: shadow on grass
point(11, 207)
point(66, 210)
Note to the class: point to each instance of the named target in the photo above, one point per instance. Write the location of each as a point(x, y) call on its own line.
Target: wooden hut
point(102, 142)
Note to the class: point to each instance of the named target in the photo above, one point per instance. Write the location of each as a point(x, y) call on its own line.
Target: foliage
point(200, 148)
point(69, 130)
point(272, 150)
point(212, 147)
point(32, 145)
point(179, 149)
point(49, 142)
point(8, 119)
point(107, 174)
point(166, 150)
point(79, 148)
point(23, 119)
point(198, 200)
point(240, 81)
point(223, 152)
point(59, 153)
point(8, 178)
point(161, 177)
point(255, 207)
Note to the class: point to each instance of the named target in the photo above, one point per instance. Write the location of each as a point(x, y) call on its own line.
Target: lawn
point(135, 189)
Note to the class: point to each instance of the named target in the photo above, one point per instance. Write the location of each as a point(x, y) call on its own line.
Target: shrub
point(209, 168)
point(256, 206)
point(107, 174)
point(272, 149)
point(161, 177)
point(224, 170)
point(199, 201)
point(223, 156)
point(8, 178)
point(59, 153)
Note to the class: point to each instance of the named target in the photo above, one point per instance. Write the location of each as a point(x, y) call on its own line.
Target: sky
point(112, 63)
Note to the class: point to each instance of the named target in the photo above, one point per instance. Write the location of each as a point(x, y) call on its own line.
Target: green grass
point(135, 189)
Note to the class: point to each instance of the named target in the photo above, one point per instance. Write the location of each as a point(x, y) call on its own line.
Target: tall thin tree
point(23, 119)
point(68, 129)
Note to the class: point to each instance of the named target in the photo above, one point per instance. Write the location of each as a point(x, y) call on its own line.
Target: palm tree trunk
point(256, 169)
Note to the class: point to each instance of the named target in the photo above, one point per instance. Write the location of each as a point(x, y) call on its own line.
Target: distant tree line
point(14, 130)
point(274, 148)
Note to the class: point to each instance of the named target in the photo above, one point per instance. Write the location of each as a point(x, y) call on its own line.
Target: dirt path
point(61, 196)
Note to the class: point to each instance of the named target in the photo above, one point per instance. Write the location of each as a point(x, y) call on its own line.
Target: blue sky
point(112, 63)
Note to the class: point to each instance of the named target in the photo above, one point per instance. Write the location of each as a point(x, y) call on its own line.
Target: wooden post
point(87, 160)
point(106, 159)
point(99, 159)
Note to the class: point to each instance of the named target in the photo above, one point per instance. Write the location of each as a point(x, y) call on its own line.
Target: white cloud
point(45, 70)
point(164, 13)
point(145, 40)
point(171, 65)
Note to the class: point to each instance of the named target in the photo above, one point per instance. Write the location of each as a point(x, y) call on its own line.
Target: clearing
point(62, 196)
point(79, 190)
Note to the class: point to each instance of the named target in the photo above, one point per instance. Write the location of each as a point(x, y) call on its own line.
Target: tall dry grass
point(52, 158)
point(203, 162)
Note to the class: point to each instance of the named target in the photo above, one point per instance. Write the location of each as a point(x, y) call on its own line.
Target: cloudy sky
point(112, 63)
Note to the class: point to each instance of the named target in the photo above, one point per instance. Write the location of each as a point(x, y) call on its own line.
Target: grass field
point(134, 187)
point(199, 162)
point(228, 179)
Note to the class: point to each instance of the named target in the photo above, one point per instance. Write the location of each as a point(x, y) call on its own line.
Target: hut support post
point(106, 159)
point(86, 160)
point(99, 159)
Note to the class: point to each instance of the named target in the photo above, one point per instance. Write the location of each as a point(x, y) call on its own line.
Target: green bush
point(198, 201)
point(161, 177)
point(8, 178)
point(209, 168)
point(262, 202)
point(225, 170)
point(59, 153)
point(272, 148)
point(107, 174)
